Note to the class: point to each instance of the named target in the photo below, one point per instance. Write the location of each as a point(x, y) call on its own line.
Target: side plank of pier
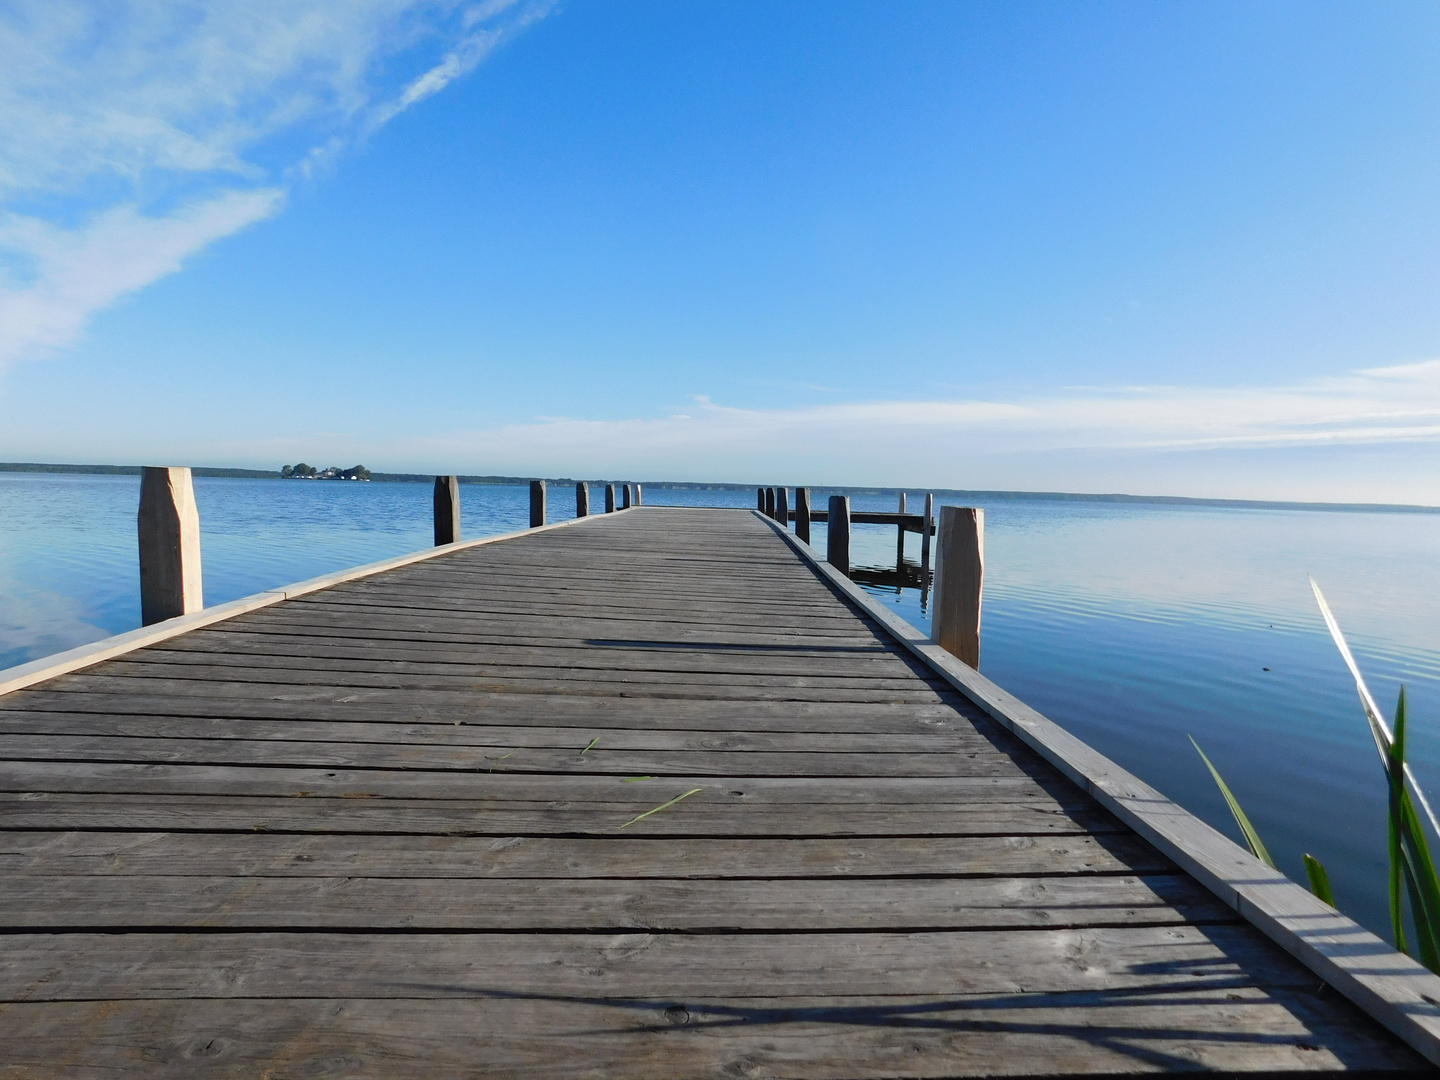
point(643, 795)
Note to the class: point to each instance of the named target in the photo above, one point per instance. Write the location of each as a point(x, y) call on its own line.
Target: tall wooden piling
point(537, 503)
point(770, 502)
point(625, 496)
point(447, 510)
point(582, 499)
point(837, 534)
point(802, 513)
point(959, 581)
point(609, 498)
point(782, 506)
point(900, 539)
point(760, 499)
point(169, 526)
point(926, 528)
point(639, 496)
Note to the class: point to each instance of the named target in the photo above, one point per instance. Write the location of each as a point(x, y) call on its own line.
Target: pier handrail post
point(760, 499)
point(926, 528)
point(447, 510)
point(782, 506)
point(900, 540)
point(770, 503)
point(802, 513)
point(837, 534)
point(625, 497)
point(639, 496)
point(537, 503)
point(582, 499)
point(609, 498)
point(168, 523)
point(959, 582)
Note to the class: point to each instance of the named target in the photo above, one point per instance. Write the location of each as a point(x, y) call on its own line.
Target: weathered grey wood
point(760, 499)
point(770, 502)
point(447, 510)
point(582, 499)
point(959, 582)
point(169, 529)
point(925, 531)
point(900, 538)
point(782, 506)
point(626, 497)
point(802, 513)
point(639, 496)
point(609, 498)
point(537, 503)
point(837, 534)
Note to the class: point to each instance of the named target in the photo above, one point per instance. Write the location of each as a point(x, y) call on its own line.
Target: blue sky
point(1159, 248)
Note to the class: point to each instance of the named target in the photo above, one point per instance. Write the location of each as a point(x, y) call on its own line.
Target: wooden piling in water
point(639, 496)
point(168, 523)
point(837, 534)
point(760, 499)
point(959, 582)
point(782, 506)
point(900, 539)
point(582, 499)
point(625, 496)
point(802, 513)
point(537, 503)
point(609, 498)
point(770, 502)
point(447, 510)
point(926, 528)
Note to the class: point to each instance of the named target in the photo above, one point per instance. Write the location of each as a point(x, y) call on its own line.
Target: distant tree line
point(334, 472)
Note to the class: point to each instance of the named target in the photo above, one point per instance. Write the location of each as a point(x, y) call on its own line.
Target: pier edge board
point(1394, 989)
point(83, 656)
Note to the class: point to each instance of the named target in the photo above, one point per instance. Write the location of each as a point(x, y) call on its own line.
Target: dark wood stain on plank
point(377, 831)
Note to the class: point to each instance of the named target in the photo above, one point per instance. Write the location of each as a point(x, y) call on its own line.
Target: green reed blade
point(1319, 880)
point(590, 744)
point(1257, 846)
point(662, 806)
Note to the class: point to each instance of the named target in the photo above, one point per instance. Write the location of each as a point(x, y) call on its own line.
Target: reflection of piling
point(447, 510)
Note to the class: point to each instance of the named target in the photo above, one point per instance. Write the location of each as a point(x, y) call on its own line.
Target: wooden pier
point(651, 794)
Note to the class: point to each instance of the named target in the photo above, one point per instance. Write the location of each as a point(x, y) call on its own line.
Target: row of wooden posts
point(169, 528)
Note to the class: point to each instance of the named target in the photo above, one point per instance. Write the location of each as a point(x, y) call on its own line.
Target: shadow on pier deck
point(395, 828)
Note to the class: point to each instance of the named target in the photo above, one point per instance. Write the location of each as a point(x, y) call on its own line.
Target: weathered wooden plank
point(1231, 1031)
point(596, 905)
point(87, 966)
point(111, 854)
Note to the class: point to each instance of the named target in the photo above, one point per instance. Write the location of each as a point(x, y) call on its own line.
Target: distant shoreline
point(994, 496)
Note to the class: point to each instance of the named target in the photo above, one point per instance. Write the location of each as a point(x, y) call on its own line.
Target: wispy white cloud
point(133, 134)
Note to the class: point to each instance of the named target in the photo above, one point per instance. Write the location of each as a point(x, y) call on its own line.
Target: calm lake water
point(1133, 625)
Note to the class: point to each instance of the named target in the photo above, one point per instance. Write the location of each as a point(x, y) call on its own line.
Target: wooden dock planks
point(392, 829)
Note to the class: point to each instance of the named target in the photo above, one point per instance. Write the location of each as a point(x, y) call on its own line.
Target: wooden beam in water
point(537, 503)
point(959, 582)
point(802, 513)
point(447, 510)
point(900, 538)
point(169, 527)
point(926, 529)
point(837, 534)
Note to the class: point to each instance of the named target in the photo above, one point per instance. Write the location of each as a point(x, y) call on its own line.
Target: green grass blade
point(1319, 880)
point(662, 806)
point(1257, 846)
point(590, 744)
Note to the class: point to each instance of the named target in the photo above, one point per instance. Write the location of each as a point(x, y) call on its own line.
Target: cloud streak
point(133, 135)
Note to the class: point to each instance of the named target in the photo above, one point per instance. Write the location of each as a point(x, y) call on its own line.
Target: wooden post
point(782, 506)
point(582, 499)
point(760, 499)
point(959, 581)
point(625, 502)
point(770, 502)
point(537, 503)
point(837, 534)
point(639, 498)
point(609, 498)
point(802, 514)
point(900, 540)
point(447, 510)
point(169, 527)
point(925, 529)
